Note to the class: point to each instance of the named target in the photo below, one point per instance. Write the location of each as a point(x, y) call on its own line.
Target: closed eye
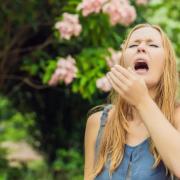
point(133, 45)
point(154, 45)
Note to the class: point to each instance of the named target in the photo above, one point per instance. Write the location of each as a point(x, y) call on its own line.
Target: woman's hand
point(128, 84)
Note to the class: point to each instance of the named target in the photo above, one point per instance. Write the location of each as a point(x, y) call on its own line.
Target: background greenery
point(52, 119)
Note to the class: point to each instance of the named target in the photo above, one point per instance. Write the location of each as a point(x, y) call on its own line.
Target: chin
point(151, 83)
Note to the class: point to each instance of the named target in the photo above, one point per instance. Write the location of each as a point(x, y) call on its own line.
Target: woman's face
point(145, 54)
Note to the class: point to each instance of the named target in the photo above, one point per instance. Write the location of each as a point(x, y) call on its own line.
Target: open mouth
point(141, 67)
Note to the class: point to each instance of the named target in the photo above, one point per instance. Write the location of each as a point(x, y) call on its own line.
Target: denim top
point(136, 163)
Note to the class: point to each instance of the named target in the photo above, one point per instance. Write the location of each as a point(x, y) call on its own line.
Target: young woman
point(137, 136)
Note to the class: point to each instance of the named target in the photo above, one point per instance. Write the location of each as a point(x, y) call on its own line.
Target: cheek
point(159, 61)
point(158, 67)
point(127, 57)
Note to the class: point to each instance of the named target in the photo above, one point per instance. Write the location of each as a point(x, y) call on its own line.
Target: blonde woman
point(137, 136)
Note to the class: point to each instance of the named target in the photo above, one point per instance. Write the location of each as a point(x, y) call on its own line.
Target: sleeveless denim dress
point(136, 163)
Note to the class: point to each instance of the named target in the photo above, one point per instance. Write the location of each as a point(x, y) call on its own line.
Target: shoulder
point(91, 133)
point(93, 121)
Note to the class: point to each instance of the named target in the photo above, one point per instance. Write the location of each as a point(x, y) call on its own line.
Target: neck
point(136, 116)
point(152, 93)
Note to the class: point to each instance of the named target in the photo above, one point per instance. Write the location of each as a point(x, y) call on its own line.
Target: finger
point(134, 75)
point(124, 71)
point(116, 81)
point(120, 76)
point(114, 85)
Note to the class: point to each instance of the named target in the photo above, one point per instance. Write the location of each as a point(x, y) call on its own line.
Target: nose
point(141, 48)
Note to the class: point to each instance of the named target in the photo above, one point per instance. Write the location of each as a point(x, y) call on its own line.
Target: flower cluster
point(120, 11)
point(103, 84)
point(66, 71)
point(90, 6)
point(69, 26)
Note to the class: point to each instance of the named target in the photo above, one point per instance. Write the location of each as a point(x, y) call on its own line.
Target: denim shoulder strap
point(103, 120)
point(105, 115)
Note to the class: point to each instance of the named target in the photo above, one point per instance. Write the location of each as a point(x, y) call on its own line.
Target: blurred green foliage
point(69, 162)
point(88, 73)
point(53, 119)
point(14, 125)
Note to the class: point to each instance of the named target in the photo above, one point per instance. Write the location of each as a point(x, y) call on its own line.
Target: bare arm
point(92, 127)
point(164, 135)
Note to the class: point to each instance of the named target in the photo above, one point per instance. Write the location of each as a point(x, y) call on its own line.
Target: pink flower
point(114, 58)
point(66, 71)
point(112, 9)
point(103, 84)
point(128, 15)
point(69, 26)
point(142, 2)
point(120, 11)
point(90, 6)
point(54, 80)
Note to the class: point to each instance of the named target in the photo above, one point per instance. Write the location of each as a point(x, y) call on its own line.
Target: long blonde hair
point(113, 138)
